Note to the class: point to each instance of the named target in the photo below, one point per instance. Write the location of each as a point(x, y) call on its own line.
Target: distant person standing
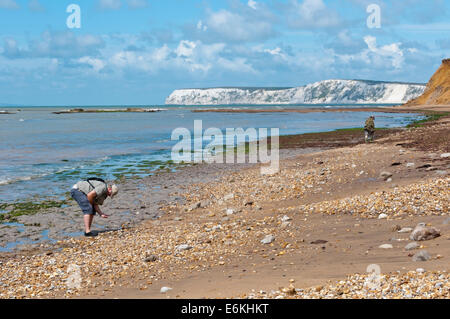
point(369, 129)
point(90, 195)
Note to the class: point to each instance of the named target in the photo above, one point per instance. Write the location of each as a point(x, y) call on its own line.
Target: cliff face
point(329, 91)
point(437, 91)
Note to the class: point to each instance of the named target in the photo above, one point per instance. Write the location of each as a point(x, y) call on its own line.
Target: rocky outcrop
point(437, 91)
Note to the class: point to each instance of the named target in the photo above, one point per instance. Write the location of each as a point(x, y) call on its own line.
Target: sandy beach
point(226, 231)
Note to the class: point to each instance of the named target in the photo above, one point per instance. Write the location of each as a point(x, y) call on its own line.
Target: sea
point(43, 154)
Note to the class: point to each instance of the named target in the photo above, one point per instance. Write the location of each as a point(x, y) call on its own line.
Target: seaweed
point(27, 208)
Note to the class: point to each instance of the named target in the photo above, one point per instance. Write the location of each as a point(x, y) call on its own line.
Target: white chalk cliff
point(324, 92)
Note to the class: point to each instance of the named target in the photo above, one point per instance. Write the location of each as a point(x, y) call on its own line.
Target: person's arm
point(91, 197)
point(99, 211)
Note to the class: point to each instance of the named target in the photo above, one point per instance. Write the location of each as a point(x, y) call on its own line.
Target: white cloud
point(8, 4)
point(386, 57)
point(110, 4)
point(276, 51)
point(312, 14)
point(252, 4)
point(195, 57)
point(391, 51)
point(201, 26)
point(35, 6)
point(137, 4)
point(96, 64)
point(236, 27)
point(185, 48)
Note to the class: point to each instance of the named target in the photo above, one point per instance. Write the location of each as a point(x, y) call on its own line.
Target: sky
point(136, 52)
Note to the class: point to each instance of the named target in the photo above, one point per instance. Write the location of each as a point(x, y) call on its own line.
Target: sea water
point(43, 154)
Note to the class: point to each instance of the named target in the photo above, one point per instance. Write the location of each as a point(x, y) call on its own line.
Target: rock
point(386, 246)
point(229, 211)
point(165, 289)
point(385, 175)
point(422, 232)
point(194, 206)
point(445, 155)
point(268, 239)
point(432, 168)
point(412, 246)
point(405, 230)
point(285, 218)
point(420, 270)
point(248, 203)
point(183, 247)
point(396, 228)
point(151, 258)
point(422, 255)
point(396, 164)
point(285, 225)
point(318, 242)
point(204, 203)
point(382, 216)
point(228, 197)
point(389, 180)
point(178, 219)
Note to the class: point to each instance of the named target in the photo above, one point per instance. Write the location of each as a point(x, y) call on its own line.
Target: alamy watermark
point(74, 279)
point(74, 19)
point(373, 281)
point(374, 19)
point(235, 145)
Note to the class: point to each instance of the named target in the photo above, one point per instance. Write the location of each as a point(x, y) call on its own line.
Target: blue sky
point(136, 52)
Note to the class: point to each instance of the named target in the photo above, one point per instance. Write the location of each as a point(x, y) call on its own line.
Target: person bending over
point(90, 195)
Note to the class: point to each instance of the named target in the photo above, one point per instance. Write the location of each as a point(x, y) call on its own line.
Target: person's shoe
point(90, 234)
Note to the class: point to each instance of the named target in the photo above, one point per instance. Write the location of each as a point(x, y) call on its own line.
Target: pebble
point(268, 239)
point(285, 225)
point(386, 246)
point(410, 165)
point(228, 196)
point(413, 284)
point(420, 270)
point(422, 255)
point(230, 211)
point(165, 289)
point(405, 230)
point(183, 247)
point(412, 246)
point(385, 175)
point(285, 218)
point(151, 258)
point(445, 155)
point(382, 216)
point(422, 232)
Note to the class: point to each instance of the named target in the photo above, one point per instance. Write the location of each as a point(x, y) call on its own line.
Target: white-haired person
point(90, 195)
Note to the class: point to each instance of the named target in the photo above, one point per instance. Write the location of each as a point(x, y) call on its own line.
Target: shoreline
point(391, 109)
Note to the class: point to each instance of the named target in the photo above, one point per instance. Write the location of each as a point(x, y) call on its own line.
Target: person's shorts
point(82, 201)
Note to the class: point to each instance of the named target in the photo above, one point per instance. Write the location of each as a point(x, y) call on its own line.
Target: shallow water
point(44, 154)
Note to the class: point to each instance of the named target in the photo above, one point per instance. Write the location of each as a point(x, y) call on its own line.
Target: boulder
point(423, 232)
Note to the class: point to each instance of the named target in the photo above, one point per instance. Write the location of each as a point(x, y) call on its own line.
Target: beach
point(226, 231)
